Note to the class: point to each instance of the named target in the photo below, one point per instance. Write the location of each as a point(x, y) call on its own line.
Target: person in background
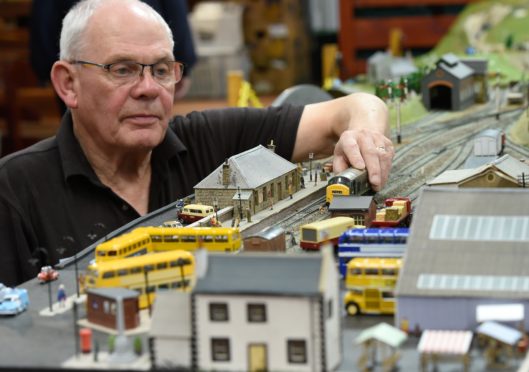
point(46, 20)
point(120, 154)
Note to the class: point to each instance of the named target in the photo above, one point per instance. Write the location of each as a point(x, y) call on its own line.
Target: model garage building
point(468, 248)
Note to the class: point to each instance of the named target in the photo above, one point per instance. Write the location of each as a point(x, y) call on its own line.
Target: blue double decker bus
point(371, 242)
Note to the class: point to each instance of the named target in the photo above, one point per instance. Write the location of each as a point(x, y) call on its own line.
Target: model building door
point(257, 358)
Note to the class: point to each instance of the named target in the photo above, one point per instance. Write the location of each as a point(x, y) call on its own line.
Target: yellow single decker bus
point(148, 273)
point(215, 239)
point(371, 285)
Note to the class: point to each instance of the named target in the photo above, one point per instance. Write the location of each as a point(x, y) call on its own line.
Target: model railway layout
point(424, 155)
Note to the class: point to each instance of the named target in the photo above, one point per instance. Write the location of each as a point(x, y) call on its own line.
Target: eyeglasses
point(164, 72)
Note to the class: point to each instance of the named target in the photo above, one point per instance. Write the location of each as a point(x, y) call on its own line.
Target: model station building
point(254, 180)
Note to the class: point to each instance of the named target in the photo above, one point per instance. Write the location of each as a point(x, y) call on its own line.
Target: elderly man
point(119, 154)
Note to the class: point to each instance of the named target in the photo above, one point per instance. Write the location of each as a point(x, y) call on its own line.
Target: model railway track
point(445, 150)
point(516, 150)
point(435, 147)
point(311, 212)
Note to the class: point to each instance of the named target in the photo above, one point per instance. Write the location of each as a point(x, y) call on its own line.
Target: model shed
point(102, 307)
point(361, 208)
point(467, 249)
point(270, 239)
point(449, 86)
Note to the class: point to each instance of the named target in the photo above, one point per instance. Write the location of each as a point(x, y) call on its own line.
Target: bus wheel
point(352, 309)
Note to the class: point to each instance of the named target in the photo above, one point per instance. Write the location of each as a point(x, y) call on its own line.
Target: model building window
point(220, 349)
point(256, 313)
point(218, 312)
point(297, 351)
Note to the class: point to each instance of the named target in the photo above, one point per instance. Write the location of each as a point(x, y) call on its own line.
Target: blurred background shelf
point(365, 27)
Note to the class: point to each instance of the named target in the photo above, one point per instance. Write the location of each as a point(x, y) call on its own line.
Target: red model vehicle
point(47, 274)
point(396, 213)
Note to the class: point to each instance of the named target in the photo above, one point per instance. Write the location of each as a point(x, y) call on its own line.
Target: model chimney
point(271, 146)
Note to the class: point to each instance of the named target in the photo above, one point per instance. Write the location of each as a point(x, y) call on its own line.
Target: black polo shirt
point(50, 197)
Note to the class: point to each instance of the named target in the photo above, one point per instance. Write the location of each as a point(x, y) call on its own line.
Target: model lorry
point(396, 212)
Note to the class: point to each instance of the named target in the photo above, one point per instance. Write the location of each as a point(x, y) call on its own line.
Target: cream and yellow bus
point(371, 285)
point(194, 212)
point(171, 270)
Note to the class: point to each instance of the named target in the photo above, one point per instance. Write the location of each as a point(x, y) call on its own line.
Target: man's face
point(117, 115)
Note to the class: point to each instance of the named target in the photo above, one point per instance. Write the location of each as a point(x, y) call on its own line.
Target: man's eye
point(122, 70)
point(161, 70)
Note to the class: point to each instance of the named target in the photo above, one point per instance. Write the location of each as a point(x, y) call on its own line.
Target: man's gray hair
point(75, 22)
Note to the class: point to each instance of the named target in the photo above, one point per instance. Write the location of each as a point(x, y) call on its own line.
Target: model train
point(349, 182)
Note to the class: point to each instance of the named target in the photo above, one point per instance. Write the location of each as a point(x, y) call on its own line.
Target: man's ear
point(63, 79)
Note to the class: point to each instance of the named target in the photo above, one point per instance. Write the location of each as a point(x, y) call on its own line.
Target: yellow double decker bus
point(148, 273)
point(134, 243)
point(144, 240)
point(371, 285)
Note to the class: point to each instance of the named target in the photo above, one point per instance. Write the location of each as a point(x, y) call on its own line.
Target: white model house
point(260, 311)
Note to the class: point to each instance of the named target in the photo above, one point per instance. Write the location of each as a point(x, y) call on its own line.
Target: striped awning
point(445, 342)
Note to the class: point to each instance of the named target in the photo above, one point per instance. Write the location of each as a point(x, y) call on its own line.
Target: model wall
point(446, 313)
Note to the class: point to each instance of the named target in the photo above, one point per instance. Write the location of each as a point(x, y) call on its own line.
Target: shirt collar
point(74, 161)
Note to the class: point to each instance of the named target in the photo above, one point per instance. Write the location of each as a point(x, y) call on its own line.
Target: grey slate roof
point(486, 257)
point(479, 65)
point(249, 170)
point(350, 202)
point(452, 65)
point(449, 59)
point(261, 273)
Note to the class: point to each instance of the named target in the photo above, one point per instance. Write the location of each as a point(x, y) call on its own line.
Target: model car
point(172, 223)
point(13, 300)
point(47, 274)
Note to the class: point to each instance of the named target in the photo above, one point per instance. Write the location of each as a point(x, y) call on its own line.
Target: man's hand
point(365, 149)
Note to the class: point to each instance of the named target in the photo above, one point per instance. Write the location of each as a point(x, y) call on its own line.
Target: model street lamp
point(216, 207)
point(44, 261)
point(240, 203)
point(71, 241)
point(146, 270)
